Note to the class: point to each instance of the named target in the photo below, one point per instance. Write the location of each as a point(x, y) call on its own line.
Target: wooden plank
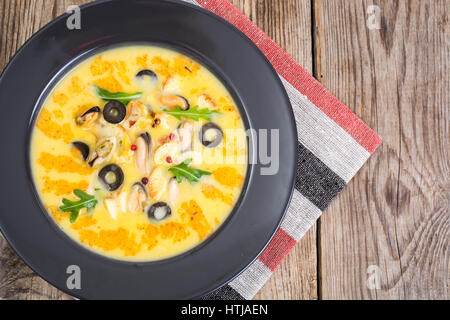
point(288, 23)
point(395, 212)
point(19, 20)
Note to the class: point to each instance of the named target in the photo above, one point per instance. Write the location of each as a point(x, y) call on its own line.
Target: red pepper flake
point(132, 123)
point(134, 147)
point(169, 159)
point(144, 181)
point(172, 137)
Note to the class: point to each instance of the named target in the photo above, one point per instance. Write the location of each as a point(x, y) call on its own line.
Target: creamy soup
point(139, 153)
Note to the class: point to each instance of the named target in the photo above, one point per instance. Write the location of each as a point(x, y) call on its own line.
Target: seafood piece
point(157, 183)
point(136, 198)
point(167, 153)
point(136, 110)
point(111, 206)
point(171, 102)
point(87, 119)
point(171, 86)
point(103, 151)
point(205, 101)
point(185, 135)
point(143, 153)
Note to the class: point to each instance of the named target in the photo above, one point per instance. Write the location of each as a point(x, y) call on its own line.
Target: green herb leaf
point(184, 171)
point(123, 97)
point(194, 113)
point(86, 201)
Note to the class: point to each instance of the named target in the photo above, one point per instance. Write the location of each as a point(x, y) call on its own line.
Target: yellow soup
point(139, 153)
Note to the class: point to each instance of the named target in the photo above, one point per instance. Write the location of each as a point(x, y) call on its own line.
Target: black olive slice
point(83, 148)
point(148, 73)
point(218, 135)
point(114, 112)
point(159, 211)
point(111, 176)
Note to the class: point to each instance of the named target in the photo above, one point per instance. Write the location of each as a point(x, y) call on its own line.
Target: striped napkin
point(333, 144)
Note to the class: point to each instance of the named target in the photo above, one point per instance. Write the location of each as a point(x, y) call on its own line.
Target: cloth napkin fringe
point(333, 144)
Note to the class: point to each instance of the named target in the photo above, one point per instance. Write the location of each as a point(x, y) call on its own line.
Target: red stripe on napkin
point(278, 248)
point(297, 76)
point(332, 152)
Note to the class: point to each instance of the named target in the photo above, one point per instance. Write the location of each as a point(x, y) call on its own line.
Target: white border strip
point(300, 217)
point(251, 280)
point(324, 137)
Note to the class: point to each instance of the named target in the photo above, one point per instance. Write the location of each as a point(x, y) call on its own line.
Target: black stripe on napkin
point(224, 293)
point(315, 180)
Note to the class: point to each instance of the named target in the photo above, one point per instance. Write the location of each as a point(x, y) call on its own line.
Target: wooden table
point(395, 213)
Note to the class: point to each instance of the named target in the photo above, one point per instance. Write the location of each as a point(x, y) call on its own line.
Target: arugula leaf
point(86, 201)
point(123, 97)
point(193, 113)
point(184, 171)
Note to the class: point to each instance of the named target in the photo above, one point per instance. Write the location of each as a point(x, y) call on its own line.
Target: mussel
point(86, 119)
point(159, 211)
point(83, 148)
point(143, 152)
point(103, 151)
point(136, 110)
point(174, 101)
point(185, 133)
point(114, 112)
point(111, 176)
point(147, 73)
point(211, 135)
point(136, 197)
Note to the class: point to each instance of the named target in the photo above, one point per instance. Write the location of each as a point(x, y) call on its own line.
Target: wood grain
point(395, 212)
point(288, 22)
point(19, 20)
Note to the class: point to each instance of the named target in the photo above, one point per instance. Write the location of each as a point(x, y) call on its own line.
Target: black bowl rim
point(256, 51)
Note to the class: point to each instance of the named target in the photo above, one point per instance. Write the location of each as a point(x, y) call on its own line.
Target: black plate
point(255, 87)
